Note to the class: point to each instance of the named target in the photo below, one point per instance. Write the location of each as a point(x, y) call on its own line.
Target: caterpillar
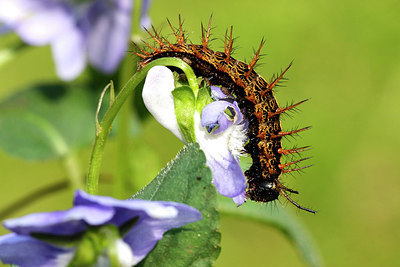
point(255, 99)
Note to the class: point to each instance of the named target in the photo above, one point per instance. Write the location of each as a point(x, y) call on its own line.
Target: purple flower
point(154, 218)
point(218, 116)
point(78, 31)
point(217, 93)
point(220, 130)
point(221, 135)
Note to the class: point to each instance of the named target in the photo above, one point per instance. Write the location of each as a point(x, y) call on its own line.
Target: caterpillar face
point(263, 191)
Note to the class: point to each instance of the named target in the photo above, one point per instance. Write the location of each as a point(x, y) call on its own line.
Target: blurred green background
point(346, 59)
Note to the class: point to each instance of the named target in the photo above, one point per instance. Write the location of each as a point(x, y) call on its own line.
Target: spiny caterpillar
point(255, 98)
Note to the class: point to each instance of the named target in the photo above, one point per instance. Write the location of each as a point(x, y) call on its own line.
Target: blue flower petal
point(76, 30)
point(69, 53)
point(220, 115)
point(110, 23)
point(36, 22)
point(228, 176)
point(217, 93)
point(155, 218)
point(240, 199)
point(214, 114)
point(125, 210)
point(25, 251)
point(69, 222)
point(145, 20)
point(148, 231)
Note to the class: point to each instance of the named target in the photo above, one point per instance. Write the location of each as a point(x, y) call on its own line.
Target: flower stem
point(106, 123)
point(123, 143)
point(73, 170)
point(123, 174)
point(137, 16)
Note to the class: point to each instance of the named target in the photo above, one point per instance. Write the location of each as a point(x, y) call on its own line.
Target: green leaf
point(203, 98)
point(47, 121)
point(184, 101)
point(29, 136)
point(186, 180)
point(285, 222)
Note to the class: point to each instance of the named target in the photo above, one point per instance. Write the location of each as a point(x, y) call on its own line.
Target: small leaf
point(288, 224)
point(186, 180)
point(112, 93)
point(203, 98)
point(99, 104)
point(184, 101)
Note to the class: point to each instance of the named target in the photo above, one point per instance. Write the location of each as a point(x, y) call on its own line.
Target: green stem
point(137, 10)
point(73, 170)
point(123, 172)
point(106, 122)
point(123, 142)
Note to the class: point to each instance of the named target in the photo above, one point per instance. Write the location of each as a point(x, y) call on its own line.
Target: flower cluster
point(78, 31)
point(135, 226)
point(220, 130)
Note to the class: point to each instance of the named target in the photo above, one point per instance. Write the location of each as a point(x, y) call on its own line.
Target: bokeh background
point(346, 59)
